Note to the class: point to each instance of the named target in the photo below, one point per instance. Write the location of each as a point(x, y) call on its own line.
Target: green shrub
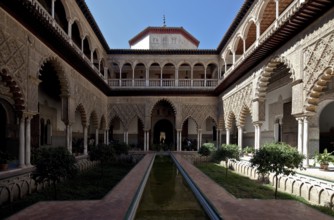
point(54, 164)
point(120, 148)
point(207, 149)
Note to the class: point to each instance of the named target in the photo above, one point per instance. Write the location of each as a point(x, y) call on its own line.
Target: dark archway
point(164, 133)
point(3, 125)
point(8, 129)
point(326, 127)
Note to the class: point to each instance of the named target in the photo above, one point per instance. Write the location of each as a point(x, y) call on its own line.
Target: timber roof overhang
point(25, 12)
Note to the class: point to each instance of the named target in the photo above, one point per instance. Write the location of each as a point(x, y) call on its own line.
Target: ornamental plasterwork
point(236, 102)
point(127, 112)
point(12, 58)
point(4, 90)
point(317, 57)
point(199, 113)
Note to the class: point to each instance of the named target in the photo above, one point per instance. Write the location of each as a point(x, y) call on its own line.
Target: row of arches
point(265, 13)
point(79, 37)
point(183, 74)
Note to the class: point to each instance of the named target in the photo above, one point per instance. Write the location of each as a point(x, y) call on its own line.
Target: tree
point(103, 153)
point(54, 164)
point(277, 158)
point(226, 152)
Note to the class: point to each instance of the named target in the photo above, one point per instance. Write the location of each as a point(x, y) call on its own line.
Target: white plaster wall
point(77, 126)
point(143, 44)
point(47, 103)
point(272, 97)
point(170, 41)
point(327, 118)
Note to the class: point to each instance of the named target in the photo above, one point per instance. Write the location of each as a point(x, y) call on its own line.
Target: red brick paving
point(116, 203)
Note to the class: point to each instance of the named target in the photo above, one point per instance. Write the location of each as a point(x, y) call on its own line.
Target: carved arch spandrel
point(126, 112)
point(316, 91)
point(318, 69)
point(199, 113)
point(13, 65)
point(236, 102)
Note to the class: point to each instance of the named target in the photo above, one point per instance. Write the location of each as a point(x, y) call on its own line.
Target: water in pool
point(167, 195)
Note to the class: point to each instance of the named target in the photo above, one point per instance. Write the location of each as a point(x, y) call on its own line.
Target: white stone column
point(22, 143)
point(148, 141)
point(85, 130)
point(161, 76)
point(180, 143)
point(217, 138)
point(105, 137)
point(240, 137)
point(69, 31)
point(177, 140)
point(205, 76)
point(126, 137)
point(258, 32)
point(69, 137)
point(277, 8)
point(96, 136)
point(120, 77)
point(53, 9)
point(300, 135)
point(220, 138)
point(199, 138)
point(257, 141)
point(227, 136)
point(145, 141)
point(305, 140)
point(147, 77)
point(28, 140)
point(192, 77)
point(133, 77)
point(176, 77)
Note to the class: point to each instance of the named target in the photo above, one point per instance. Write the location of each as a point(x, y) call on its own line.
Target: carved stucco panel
point(13, 54)
point(237, 101)
point(317, 57)
point(199, 113)
point(127, 112)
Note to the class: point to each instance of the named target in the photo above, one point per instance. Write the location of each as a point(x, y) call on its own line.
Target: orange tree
point(277, 158)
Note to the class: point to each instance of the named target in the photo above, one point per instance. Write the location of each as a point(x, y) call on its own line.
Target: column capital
point(258, 123)
point(28, 115)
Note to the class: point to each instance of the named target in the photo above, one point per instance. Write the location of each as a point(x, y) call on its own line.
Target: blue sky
point(121, 20)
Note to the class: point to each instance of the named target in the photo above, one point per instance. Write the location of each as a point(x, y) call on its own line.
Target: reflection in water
point(167, 195)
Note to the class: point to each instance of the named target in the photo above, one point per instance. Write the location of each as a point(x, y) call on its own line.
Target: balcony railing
point(165, 83)
point(287, 13)
point(44, 13)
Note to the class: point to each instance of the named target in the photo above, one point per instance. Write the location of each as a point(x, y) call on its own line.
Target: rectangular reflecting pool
point(167, 195)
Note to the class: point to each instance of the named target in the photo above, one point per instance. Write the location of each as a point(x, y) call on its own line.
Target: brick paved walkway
point(115, 204)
